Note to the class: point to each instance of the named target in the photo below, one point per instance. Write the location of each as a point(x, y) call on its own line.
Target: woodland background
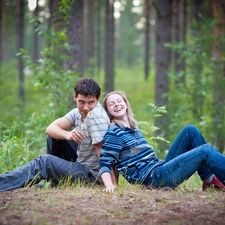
point(166, 52)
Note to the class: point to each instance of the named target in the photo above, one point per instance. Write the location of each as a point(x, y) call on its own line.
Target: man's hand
point(58, 129)
point(75, 135)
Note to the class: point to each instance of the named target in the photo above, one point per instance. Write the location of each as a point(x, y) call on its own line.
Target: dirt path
point(87, 205)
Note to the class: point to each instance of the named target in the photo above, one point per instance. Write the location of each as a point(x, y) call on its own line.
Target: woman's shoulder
point(116, 129)
point(113, 126)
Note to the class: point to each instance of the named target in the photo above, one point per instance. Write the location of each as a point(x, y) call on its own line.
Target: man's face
point(85, 104)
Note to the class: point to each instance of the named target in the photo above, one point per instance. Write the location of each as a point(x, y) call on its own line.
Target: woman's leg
point(43, 167)
point(187, 139)
point(182, 167)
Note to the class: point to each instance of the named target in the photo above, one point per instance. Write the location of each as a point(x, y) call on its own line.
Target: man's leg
point(43, 167)
point(62, 148)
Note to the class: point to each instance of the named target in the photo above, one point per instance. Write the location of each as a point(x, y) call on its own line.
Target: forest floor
point(85, 205)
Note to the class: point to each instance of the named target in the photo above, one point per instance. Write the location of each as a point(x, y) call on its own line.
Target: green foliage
point(64, 8)
point(190, 95)
point(21, 141)
point(50, 70)
point(23, 130)
point(15, 152)
point(25, 136)
point(149, 129)
point(8, 92)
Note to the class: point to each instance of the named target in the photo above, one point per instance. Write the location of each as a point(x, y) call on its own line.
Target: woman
point(125, 147)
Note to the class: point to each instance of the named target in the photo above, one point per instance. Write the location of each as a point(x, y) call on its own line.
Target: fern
point(148, 128)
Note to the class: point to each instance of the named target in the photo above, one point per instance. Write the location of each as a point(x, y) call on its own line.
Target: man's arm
point(97, 148)
point(58, 129)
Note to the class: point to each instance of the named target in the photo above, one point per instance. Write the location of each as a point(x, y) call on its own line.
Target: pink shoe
point(215, 183)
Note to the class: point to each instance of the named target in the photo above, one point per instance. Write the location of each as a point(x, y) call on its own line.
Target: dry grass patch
point(131, 205)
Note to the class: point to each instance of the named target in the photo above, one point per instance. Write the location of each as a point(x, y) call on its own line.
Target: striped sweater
point(128, 150)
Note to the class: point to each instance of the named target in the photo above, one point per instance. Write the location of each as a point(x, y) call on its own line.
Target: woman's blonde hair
point(130, 115)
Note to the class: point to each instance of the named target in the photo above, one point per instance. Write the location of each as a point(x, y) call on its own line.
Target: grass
point(25, 139)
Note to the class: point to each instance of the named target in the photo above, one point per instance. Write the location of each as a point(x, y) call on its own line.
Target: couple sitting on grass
point(108, 137)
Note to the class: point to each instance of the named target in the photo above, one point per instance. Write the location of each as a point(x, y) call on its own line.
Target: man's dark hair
point(87, 87)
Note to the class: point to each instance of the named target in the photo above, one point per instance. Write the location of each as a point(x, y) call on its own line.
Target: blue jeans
point(43, 167)
point(188, 153)
point(62, 148)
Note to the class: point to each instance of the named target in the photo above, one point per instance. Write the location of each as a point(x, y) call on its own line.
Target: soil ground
point(85, 205)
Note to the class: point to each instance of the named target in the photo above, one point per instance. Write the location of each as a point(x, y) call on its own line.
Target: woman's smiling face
point(116, 106)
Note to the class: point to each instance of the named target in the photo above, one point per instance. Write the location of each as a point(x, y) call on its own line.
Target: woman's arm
point(110, 152)
point(107, 180)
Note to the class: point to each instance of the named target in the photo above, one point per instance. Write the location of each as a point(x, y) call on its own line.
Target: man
point(72, 153)
point(89, 121)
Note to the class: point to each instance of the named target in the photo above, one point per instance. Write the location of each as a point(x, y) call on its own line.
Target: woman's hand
point(110, 188)
point(107, 180)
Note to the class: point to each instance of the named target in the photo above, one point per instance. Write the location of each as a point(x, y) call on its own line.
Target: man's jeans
point(43, 167)
point(62, 148)
point(189, 153)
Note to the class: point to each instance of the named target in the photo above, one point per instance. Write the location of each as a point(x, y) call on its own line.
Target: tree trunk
point(53, 19)
point(1, 25)
point(183, 31)
point(109, 46)
point(98, 35)
point(76, 36)
point(20, 44)
point(50, 6)
point(163, 35)
point(198, 98)
point(178, 35)
point(3, 30)
point(89, 34)
point(177, 38)
point(53, 8)
point(218, 116)
point(36, 14)
point(147, 38)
